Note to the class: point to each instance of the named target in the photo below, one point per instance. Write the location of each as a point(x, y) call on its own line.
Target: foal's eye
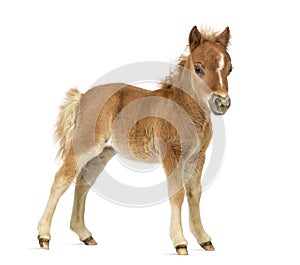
point(199, 71)
point(230, 70)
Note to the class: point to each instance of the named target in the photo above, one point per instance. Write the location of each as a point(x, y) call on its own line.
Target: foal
point(107, 119)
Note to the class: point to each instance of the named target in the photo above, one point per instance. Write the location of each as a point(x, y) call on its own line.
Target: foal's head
point(212, 64)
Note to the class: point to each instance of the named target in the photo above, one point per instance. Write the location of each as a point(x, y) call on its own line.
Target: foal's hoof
point(181, 250)
point(44, 242)
point(90, 241)
point(208, 246)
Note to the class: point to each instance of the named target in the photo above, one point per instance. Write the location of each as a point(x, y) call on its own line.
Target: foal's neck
point(188, 101)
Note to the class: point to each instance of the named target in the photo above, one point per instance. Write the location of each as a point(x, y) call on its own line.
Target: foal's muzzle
point(218, 104)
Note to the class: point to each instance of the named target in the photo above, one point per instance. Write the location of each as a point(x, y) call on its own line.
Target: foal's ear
point(194, 38)
point(224, 37)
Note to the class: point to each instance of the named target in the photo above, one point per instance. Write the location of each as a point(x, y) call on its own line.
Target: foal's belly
point(139, 151)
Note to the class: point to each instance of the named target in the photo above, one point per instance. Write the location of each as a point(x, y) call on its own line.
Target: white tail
point(66, 122)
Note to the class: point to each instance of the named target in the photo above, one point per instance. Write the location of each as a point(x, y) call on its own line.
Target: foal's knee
point(178, 197)
point(193, 193)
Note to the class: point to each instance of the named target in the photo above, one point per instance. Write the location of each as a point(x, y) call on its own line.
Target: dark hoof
point(90, 241)
point(208, 246)
point(181, 250)
point(44, 242)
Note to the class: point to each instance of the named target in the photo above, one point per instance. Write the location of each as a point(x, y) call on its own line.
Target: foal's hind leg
point(63, 178)
point(84, 181)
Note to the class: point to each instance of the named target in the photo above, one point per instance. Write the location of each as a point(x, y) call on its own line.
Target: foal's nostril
point(225, 101)
point(217, 102)
point(220, 104)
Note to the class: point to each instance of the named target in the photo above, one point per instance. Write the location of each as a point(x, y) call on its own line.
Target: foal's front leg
point(176, 196)
point(176, 232)
point(193, 192)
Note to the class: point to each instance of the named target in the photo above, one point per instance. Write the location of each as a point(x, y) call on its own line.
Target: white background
point(252, 209)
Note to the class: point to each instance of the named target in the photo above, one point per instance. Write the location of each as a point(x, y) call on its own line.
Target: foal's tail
point(66, 122)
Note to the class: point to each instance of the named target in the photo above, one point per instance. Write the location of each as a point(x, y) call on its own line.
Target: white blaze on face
point(220, 68)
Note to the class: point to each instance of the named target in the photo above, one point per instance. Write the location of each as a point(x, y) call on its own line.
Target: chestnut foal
point(177, 136)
